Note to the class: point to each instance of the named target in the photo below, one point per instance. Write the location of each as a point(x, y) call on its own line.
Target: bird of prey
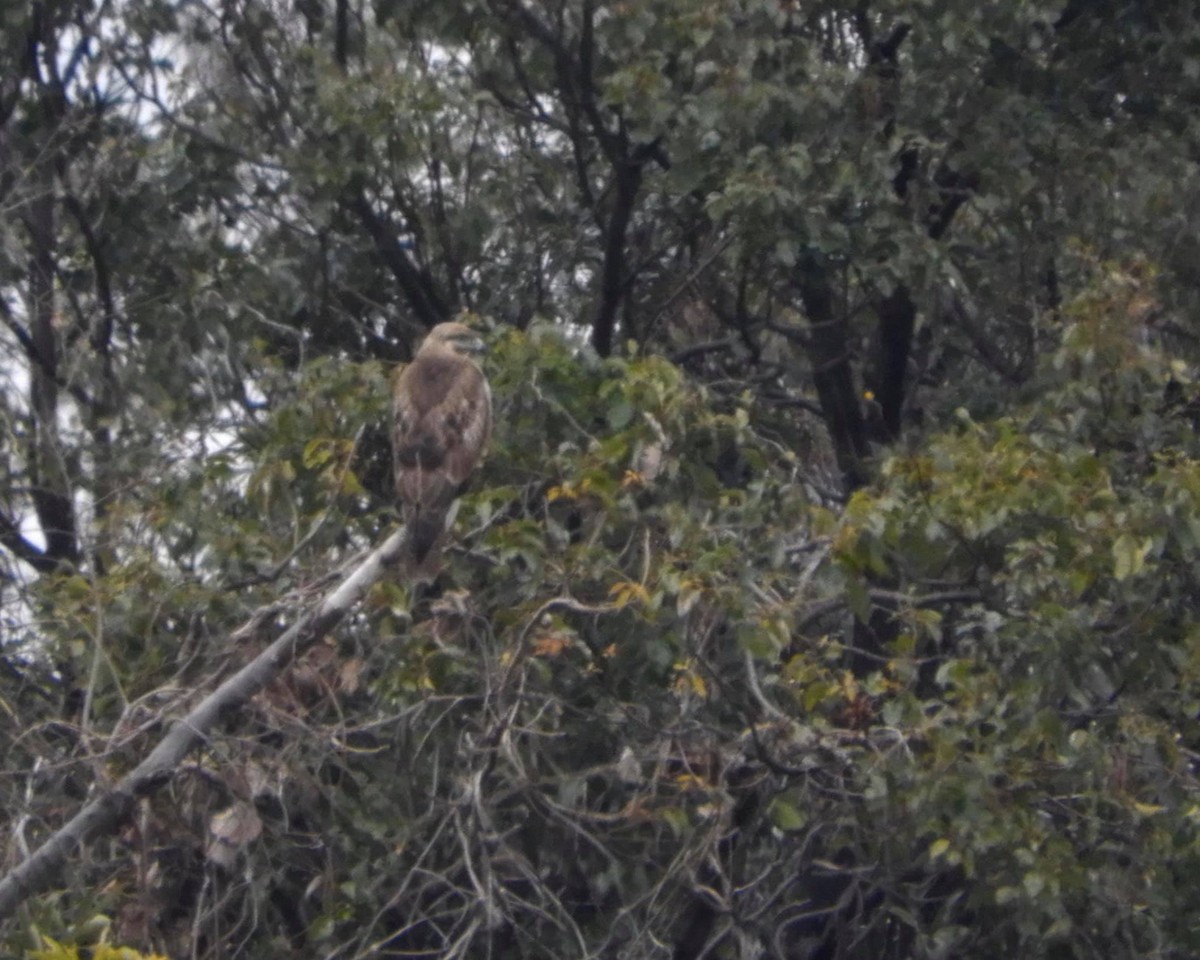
point(442, 408)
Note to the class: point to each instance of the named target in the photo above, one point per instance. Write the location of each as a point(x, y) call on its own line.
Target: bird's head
point(454, 336)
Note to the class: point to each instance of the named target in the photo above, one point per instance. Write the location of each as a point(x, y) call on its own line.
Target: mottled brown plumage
point(443, 420)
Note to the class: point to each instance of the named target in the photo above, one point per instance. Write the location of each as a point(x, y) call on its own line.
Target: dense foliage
point(830, 588)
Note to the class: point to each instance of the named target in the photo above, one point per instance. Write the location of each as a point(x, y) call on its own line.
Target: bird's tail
point(426, 529)
point(426, 532)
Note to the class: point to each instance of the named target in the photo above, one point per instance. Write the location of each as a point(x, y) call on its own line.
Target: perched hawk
point(443, 419)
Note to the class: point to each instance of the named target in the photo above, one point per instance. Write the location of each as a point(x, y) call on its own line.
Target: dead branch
point(115, 804)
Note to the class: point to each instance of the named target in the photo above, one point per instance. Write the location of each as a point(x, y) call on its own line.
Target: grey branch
point(114, 805)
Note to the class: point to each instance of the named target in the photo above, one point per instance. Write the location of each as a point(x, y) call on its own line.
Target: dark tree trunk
point(833, 376)
point(50, 490)
point(897, 319)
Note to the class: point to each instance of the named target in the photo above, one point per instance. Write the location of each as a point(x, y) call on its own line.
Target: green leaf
point(1034, 883)
point(786, 816)
point(620, 412)
point(858, 599)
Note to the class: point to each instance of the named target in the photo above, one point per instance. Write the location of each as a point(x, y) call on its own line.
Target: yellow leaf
point(1129, 556)
point(317, 452)
point(105, 952)
point(53, 950)
point(627, 592)
point(690, 592)
point(687, 680)
point(938, 847)
point(350, 484)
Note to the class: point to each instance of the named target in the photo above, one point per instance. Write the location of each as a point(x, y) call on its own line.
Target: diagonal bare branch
point(115, 804)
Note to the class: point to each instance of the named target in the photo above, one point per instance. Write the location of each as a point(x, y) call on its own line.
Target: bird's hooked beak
point(473, 345)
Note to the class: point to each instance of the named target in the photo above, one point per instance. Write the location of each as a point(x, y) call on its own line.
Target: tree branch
point(100, 336)
point(25, 340)
point(114, 805)
point(22, 549)
point(416, 284)
point(577, 88)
